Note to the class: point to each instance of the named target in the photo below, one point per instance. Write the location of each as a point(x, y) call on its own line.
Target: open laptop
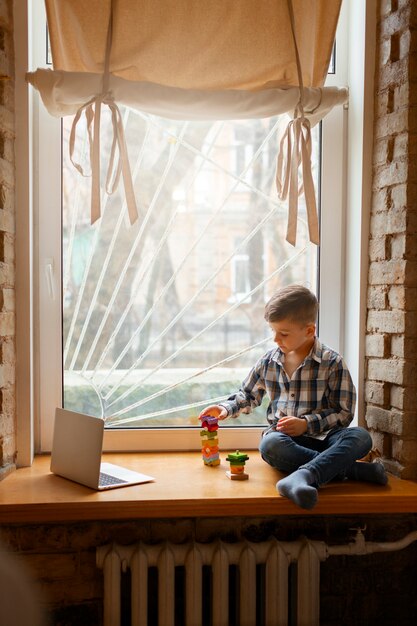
point(76, 453)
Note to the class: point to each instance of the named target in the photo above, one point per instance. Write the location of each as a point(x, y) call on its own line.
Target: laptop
point(76, 453)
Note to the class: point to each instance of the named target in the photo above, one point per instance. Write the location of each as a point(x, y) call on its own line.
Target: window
point(145, 308)
point(159, 317)
point(240, 275)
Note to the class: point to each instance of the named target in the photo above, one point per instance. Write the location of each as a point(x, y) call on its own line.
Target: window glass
point(165, 316)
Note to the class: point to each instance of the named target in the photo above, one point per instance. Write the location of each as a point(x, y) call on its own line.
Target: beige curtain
point(196, 44)
point(195, 59)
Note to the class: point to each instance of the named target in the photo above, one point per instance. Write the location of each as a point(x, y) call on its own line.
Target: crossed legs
point(312, 462)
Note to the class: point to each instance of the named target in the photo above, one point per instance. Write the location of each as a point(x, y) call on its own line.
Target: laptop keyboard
point(105, 480)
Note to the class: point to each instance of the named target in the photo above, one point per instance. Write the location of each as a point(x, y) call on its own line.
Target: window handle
point(50, 279)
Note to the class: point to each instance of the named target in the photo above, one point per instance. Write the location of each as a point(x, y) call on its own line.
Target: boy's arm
point(341, 398)
point(250, 394)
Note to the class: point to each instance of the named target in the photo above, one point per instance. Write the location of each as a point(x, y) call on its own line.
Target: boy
point(312, 401)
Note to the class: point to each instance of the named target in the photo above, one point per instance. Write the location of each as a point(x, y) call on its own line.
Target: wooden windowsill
point(184, 487)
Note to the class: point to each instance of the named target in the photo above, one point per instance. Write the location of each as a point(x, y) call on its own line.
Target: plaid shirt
point(320, 390)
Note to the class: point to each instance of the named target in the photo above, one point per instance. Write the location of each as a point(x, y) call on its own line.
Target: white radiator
point(271, 583)
point(244, 583)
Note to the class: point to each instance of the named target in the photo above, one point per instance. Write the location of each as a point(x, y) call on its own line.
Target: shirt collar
point(316, 353)
point(317, 350)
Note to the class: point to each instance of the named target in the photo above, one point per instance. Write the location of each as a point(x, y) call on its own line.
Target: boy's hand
point(215, 411)
point(292, 426)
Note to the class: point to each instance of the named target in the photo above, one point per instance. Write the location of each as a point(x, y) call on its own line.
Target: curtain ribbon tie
point(295, 151)
point(92, 112)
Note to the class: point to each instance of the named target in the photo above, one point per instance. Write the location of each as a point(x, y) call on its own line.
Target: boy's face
point(292, 336)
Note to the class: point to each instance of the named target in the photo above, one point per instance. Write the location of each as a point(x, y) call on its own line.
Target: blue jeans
point(327, 458)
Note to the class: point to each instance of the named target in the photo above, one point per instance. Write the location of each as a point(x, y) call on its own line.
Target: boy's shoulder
point(324, 353)
point(270, 355)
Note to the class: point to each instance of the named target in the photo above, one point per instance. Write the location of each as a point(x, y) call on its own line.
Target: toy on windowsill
point(237, 466)
point(209, 440)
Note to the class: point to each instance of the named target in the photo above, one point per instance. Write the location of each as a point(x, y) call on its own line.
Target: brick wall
point(7, 322)
point(391, 341)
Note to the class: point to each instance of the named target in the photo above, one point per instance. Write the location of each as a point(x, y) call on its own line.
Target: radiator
point(270, 583)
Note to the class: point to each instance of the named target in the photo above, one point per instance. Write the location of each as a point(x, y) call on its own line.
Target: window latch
point(50, 279)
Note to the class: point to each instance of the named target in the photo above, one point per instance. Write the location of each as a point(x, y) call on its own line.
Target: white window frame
point(344, 208)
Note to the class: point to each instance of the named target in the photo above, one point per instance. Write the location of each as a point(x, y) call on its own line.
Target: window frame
point(340, 269)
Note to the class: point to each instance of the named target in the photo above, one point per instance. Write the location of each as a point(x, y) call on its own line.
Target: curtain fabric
point(187, 59)
point(195, 44)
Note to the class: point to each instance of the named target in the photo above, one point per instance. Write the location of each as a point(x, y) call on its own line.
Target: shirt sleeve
point(341, 399)
point(250, 394)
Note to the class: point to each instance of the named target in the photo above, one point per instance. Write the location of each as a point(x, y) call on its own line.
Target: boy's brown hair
point(295, 303)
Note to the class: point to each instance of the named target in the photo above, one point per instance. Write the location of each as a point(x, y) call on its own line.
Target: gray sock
point(298, 488)
point(368, 472)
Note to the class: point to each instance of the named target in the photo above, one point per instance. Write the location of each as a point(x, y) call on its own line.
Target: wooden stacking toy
point(237, 465)
point(209, 440)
